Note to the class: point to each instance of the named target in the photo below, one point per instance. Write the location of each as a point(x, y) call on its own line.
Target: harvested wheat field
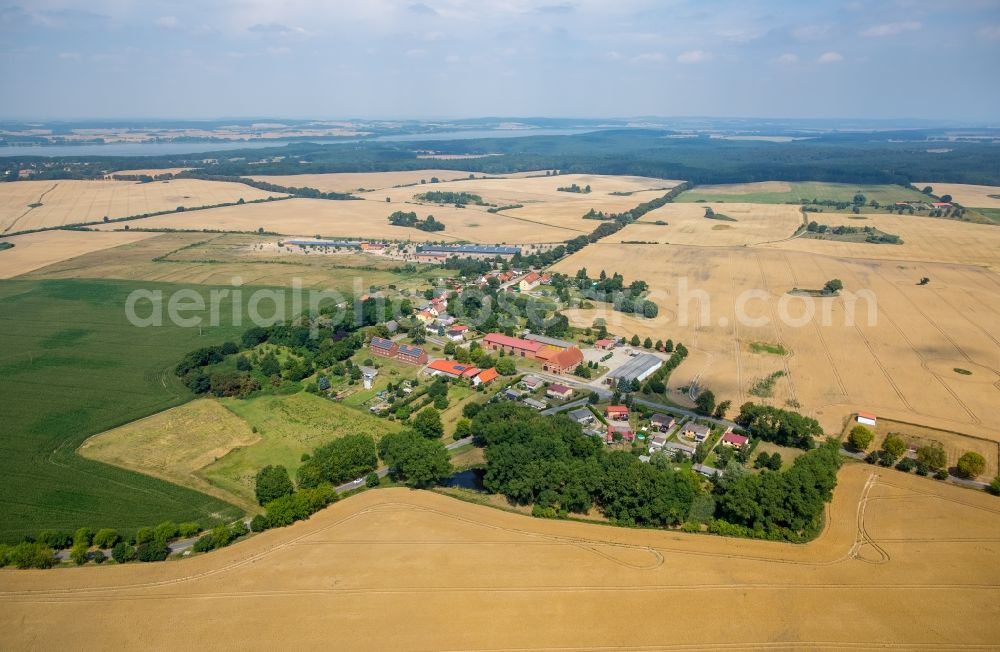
point(924, 239)
point(687, 224)
point(175, 445)
point(357, 219)
point(150, 172)
point(26, 205)
point(355, 181)
point(569, 212)
point(528, 190)
point(966, 194)
point(903, 562)
point(33, 251)
point(898, 365)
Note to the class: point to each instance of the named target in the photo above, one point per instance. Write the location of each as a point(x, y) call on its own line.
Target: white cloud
point(812, 32)
point(647, 57)
point(741, 35)
point(892, 29)
point(694, 56)
point(830, 57)
point(787, 57)
point(991, 32)
point(168, 22)
point(69, 56)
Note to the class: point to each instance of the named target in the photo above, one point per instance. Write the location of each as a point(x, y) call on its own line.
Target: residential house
point(412, 354)
point(425, 317)
point(662, 422)
point(564, 362)
point(696, 431)
point(457, 333)
point(514, 346)
point(657, 442)
point(529, 282)
point(623, 430)
point(531, 383)
point(538, 405)
point(485, 377)
point(559, 392)
point(616, 412)
point(512, 394)
point(673, 447)
point(732, 440)
point(581, 415)
point(383, 348)
point(605, 344)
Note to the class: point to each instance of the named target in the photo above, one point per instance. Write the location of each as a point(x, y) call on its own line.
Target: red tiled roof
point(559, 389)
point(603, 342)
point(514, 342)
point(733, 438)
point(867, 415)
point(452, 368)
point(531, 277)
point(567, 358)
point(616, 409)
point(488, 375)
point(459, 328)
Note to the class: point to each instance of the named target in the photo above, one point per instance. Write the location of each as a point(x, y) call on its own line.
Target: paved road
point(580, 402)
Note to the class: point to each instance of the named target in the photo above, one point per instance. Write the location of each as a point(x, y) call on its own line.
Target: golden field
point(355, 181)
point(74, 202)
point(33, 251)
point(901, 366)
point(687, 224)
point(152, 172)
point(358, 219)
point(965, 194)
point(902, 563)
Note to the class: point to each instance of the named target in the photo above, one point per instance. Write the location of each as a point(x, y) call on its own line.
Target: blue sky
point(463, 58)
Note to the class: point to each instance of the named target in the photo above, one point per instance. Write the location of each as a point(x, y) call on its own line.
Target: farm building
point(732, 440)
point(616, 412)
point(638, 368)
point(511, 345)
point(530, 281)
point(319, 242)
point(468, 251)
point(384, 348)
point(605, 344)
point(565, 361)
point(412, 354)
point(662, 422)
point(452, 369)
point(559, 392)
point(582, 415)
point(696, 431)
point(551, 341)
point(866, 418)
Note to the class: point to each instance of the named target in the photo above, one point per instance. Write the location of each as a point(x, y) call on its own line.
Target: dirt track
point(904, 562)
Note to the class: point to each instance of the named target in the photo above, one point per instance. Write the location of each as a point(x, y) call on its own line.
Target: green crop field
point(288, 426)
point(72, 366)
point(799, 190)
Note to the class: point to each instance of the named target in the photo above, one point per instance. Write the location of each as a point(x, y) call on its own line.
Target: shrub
point(258, 523)
point(860, 438)
point(272, 483)
point(165, 531)
point(941, 474)
point(152, 551)
point(98, 557)
point(372, 480)
point(106, 538)
point(78, 554)
point(994, 487)
point(123, 552)
point(56, 540)
point(906, 465)
point(31, 555)
point(144, 535)
point(83, 537)
point(932, 456)
point(188, 530)
point(238, 529)
point(971, 464)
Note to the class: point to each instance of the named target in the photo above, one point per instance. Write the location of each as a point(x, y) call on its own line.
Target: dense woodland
point(868, 158)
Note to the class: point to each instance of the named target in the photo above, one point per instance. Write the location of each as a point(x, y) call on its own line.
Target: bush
point(994, 487)
point(31, 555)
point(144, 535)
point(932, 457)
point(941, 474)
point(906, 465)
point(341, 460)
point(123, 552)
point(238, 529)
point(56, 540)
point(272, 483)
point(83, 537)
point(860, 438)
point(372, 480)
point(152, 551)
point(99, 557)
point(188, 530)
point(106, 538)
point(258, 523)
point(971, 464)
point(165, 531)
point(78, 554)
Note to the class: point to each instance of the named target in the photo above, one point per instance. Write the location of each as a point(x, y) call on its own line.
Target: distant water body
point(161, 149)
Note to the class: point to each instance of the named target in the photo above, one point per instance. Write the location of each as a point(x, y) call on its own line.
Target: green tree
point(269, 365)
point(506, 366)
point(123, 552)
point(894, 445)
point(721, 409)
point(668, 346)
point(705, 402)
point(272, 482)
point(860, 438)
point(932, 457)
point(647, 343)
point(372, 480)
point(833, 286)
point(165, 532)
point(634, 341)
point(106, 538)
point(463, 428)
point(971, 465)
point(78, 554)
point(343, 459)
point(414, 459)
point(83, 537)
point(428, 423)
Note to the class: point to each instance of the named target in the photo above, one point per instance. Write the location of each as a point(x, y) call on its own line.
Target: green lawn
point(72, 366)
point(288, 427)
point(808, 190)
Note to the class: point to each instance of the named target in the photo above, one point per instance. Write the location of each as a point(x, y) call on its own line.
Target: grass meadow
point(72, 366)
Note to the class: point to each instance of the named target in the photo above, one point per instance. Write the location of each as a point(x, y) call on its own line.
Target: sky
point(932, 59)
